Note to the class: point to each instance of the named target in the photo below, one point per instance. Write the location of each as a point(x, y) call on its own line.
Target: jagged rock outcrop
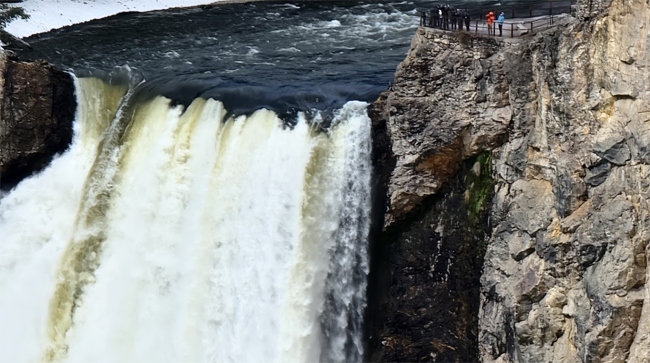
point(449, 103)
point(565, 116)
point(38, 107)
point(446, 87)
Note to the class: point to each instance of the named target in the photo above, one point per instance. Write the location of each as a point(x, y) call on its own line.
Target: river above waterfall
point(343, 50)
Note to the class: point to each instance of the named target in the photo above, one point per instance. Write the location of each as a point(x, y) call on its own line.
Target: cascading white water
point(180, 236)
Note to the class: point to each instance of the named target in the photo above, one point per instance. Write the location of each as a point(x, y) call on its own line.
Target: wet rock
point(431, 295)
point(570, 191)
point(38, 107)
point(589, 254)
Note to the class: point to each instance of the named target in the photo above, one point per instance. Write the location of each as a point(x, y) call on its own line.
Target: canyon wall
point(564, 116)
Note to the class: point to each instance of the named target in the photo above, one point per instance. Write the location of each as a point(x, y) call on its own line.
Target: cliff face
point(438, 192)
point(565, 272)
point(38, 107)
point(565, 116)
point(447, 86)
point(434, 260)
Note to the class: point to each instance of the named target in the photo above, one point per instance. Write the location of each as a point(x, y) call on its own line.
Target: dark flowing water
point(307, 54)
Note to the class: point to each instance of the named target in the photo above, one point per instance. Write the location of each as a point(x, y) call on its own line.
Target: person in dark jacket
point(454, 17)
point(444, 23)
point(467, 19)
point(435, 16)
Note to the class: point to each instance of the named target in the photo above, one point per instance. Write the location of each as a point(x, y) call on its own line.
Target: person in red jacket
point(490, 20)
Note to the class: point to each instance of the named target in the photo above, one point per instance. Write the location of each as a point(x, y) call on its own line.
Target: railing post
point(476, 28)
point(512, 30)
point(531, 27)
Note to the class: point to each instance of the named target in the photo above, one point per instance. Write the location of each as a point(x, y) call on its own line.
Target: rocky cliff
point(37, 110)
point(564, 118)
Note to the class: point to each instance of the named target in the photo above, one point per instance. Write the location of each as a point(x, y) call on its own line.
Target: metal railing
point(512, 29)
point(521, 20)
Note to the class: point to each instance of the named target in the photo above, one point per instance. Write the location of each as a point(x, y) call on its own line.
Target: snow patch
point(46, 15)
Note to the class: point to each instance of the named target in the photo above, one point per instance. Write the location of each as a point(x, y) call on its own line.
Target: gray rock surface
point(449, 101)
point(566, 115)
point(579, 191)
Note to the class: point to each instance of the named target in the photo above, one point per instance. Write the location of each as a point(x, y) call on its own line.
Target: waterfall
point(183, 234)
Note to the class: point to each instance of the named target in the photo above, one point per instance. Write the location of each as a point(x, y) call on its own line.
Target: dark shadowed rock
point(613, 149)
point(38, 107)
point(431, 292)
point(597, 174)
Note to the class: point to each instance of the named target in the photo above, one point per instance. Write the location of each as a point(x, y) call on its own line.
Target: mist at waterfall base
point(217, 212)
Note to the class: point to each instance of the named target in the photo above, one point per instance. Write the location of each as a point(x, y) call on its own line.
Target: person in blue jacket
point(500, 21)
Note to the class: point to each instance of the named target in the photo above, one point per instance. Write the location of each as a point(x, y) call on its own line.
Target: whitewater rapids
point(173, 234)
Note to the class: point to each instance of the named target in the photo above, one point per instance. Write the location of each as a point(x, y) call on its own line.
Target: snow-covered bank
point(51, 14)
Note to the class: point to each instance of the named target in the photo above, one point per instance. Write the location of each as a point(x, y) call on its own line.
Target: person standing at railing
point(500, 20)
point(433, 18)
point(454, 17)
point(441, 13)
point(490, 20)
point(467, 19)
point(444, 23)
point(459, 19)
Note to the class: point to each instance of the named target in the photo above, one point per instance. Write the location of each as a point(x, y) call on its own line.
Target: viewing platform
point(520, 20)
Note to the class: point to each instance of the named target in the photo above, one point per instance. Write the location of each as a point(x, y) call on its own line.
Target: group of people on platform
point(444, 17)
point(447, 18)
